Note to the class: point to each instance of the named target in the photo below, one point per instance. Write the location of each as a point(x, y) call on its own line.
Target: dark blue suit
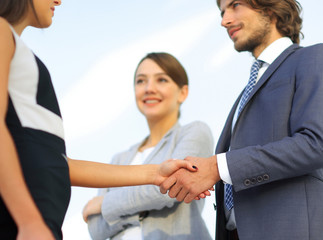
point(276, 152)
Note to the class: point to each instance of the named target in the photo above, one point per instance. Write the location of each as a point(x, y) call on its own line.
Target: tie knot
point(256, 65)
point(254, 70)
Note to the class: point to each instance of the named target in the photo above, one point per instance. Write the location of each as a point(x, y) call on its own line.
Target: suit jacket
point(168, 218)
point(276, 152)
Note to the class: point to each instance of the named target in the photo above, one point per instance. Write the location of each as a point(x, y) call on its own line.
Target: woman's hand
point(204, 194)
point(170, 166)
point(92, 207)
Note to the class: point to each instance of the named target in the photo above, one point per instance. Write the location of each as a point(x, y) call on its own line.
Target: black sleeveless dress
point(34, 121)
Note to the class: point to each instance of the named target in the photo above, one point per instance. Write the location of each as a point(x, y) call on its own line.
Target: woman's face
point(157, 95)
point(45, 11)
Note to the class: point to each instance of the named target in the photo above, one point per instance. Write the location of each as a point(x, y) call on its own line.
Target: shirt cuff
point(223, 168)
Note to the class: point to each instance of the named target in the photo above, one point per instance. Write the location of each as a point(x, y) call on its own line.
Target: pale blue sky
point(92, 49)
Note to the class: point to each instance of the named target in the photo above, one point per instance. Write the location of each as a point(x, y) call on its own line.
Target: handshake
point(187, 180)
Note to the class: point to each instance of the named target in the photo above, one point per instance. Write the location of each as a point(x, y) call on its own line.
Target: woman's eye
point(139, 81)
point(162, 80)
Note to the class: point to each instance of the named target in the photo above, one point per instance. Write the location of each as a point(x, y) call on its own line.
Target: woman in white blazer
point(142, 212)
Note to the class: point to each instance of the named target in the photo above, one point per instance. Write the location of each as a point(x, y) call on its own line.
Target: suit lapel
point(268, 73)
point(225, 137)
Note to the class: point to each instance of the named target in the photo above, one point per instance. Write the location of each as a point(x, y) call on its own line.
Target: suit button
point(253, 181)
point(266, 177)
point(260, 179)
point(247, 182)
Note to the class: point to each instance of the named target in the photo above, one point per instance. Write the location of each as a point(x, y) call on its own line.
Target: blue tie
point(252, 82)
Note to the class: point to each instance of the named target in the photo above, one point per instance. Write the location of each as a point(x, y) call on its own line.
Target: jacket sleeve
point(99, 229)
point(194, 139)
point(300, 152)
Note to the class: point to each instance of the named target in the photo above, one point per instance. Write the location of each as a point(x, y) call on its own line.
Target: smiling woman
point(161, 86)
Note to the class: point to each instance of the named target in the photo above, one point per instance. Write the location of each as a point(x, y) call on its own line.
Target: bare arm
point(99, 175)
point(13, 189)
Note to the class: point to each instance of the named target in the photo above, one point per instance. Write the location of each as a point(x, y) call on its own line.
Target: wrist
point(154, 175)
point(29, 219)
point(150, 174)
point(214, 165)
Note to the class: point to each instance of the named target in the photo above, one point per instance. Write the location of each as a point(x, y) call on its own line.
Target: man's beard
point(257, 38)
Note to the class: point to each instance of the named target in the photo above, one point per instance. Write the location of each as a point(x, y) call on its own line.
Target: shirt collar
point(275, 49)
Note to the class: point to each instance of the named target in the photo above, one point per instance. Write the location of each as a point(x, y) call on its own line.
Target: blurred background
point(92, 50)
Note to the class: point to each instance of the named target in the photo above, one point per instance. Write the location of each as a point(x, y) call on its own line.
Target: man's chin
point(243, 47)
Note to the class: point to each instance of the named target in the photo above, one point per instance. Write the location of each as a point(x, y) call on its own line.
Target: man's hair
point(286, 12)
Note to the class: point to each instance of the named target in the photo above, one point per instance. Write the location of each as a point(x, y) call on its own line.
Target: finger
point(196, 198)
point(167, 184)
point(202, 195)
point(181, 195)
point(189, 198)
point(207, 193)
point(174, 190)
point(84, 216)
point(187, 165)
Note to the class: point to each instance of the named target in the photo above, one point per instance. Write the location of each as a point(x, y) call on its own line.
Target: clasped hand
point(186, 185)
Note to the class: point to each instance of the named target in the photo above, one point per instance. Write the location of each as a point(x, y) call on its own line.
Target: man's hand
point(168, 167)
point(186, 185)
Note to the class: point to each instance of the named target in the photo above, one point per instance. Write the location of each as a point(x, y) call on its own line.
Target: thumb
point(185, 164)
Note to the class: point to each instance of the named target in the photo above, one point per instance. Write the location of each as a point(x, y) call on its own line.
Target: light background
point(92, 50)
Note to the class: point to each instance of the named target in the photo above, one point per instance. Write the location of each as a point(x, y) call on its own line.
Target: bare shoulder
point(7, 48)
point(6, 37)
point(4, 25)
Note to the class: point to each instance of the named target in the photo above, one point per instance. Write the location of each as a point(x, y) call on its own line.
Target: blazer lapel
point(161, 143)
point(271, 69)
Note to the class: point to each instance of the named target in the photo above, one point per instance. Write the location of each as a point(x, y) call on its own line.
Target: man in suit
point(270, 152)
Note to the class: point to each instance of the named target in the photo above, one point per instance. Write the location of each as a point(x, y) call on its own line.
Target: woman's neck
point(157, 129)
point(20, 27)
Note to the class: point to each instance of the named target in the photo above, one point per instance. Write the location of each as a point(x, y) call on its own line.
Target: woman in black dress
point(35, 174)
